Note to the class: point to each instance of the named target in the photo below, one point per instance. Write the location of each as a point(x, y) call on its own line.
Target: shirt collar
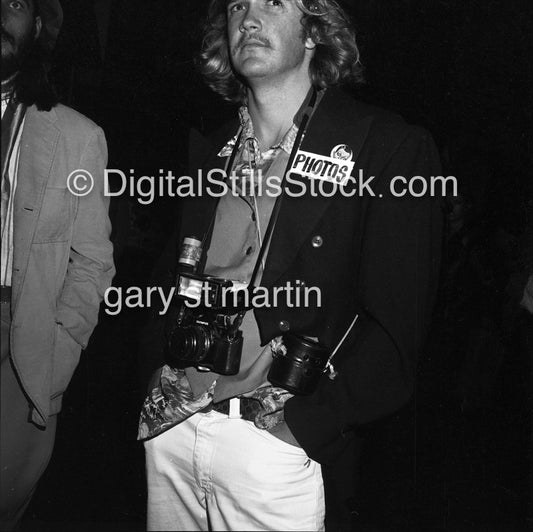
point(286, 143)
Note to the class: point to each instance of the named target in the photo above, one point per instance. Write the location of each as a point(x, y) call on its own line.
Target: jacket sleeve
point(396, 286)
point(91, 268)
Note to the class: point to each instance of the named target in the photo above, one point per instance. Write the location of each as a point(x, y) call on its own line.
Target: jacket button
point(317, 241)
point(284, 325)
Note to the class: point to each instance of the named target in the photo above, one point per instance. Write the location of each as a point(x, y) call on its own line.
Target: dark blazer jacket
point(379, 258)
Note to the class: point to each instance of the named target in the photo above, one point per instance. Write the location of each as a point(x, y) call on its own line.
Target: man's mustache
point(245, 39)
point(5, 35)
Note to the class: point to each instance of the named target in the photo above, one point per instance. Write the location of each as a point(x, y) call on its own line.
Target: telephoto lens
point(299, 366)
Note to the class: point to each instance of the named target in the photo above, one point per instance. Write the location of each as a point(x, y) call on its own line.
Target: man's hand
point(283, 432)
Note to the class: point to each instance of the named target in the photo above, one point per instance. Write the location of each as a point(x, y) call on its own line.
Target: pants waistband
point(248, 407)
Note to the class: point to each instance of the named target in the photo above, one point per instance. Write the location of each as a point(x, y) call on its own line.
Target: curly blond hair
point(336, 59)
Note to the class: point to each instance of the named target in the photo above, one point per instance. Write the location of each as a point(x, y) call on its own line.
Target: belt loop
point(234, 408)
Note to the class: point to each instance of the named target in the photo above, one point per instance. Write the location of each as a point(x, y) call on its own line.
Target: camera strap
point(277, 206)
point(329, 366)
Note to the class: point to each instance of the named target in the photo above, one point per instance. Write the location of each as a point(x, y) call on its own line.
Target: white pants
point(214, 472)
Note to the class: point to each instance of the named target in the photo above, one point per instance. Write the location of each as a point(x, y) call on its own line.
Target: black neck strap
point(277, 206)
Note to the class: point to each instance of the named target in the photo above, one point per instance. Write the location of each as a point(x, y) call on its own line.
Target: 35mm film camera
point(205, 333)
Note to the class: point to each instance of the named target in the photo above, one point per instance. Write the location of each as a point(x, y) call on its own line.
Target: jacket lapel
point(203, 157)
point(338, 119)
point(197, 211)
point(37, 150)
point(330, 126)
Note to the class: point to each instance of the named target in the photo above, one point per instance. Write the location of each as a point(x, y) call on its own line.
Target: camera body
point(298, 363)
point(203, 335)
point(204, 332)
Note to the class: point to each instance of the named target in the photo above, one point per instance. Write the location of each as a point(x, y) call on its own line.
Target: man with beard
point(254, 450)
point(56, 254)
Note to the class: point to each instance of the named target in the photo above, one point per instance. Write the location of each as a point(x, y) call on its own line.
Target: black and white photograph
point(266, 265)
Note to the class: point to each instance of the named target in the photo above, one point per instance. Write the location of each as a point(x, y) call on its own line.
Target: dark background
point(456, 457)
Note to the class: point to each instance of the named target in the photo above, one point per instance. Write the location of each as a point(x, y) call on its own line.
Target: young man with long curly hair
point(255, 450)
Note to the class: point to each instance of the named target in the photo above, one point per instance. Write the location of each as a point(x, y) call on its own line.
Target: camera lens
point(300, 368)
point(192, 343)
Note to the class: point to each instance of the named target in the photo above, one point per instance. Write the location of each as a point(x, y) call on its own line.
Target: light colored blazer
point(62, 257)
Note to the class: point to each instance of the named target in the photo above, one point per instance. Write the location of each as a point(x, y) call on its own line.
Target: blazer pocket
point(65, 360)
point(55, 217)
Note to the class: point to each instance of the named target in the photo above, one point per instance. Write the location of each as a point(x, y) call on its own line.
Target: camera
point(203, 332)
point(206, 341)
point(298, 363)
